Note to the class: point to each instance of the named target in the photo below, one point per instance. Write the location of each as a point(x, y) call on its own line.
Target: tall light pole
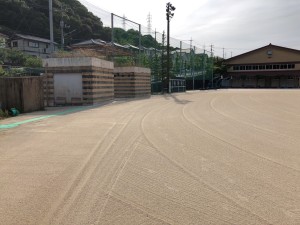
point(169, 14)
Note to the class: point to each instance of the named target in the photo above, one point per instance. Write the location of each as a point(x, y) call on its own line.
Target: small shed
point(78, 81)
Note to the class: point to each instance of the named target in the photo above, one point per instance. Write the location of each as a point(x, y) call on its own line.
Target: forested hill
point(32, 17)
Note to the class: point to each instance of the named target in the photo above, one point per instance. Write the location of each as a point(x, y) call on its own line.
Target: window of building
point(33, 44)
point(265, 67)
point(15, 44)
point(269, 67)
point(283, 66)
point(236, 68)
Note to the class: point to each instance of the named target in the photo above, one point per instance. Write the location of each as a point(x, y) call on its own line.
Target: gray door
point(67, 88)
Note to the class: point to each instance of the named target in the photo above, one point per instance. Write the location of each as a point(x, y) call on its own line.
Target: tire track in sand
point(86, 170)
point(194, 176)
point(233, 145)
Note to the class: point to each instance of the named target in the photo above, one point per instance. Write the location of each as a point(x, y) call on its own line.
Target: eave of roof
point(267, 46)
point(91, 42)
point(33, 38)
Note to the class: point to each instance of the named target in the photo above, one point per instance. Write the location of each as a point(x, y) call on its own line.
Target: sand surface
point(211, 157)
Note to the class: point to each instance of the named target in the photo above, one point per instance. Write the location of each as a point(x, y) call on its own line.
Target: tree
point(31, 17)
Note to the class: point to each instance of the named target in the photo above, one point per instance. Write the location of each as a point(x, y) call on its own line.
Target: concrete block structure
point(132, 82)
point(78, 81)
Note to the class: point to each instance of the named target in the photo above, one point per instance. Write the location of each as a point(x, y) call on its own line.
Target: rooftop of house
point(32, 38)
point(3, 36)
point(91, 42)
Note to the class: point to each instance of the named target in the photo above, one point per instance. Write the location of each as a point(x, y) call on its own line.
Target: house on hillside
point(103, 48)
point(31, 45)
point(268, 67)
point(3, 40)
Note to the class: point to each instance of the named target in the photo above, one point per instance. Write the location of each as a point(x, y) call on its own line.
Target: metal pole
point(162, 62)
point(112, 28)
point(180, 58)
point(47, 88)
point(203, 71)
point(191, 63)
point(51, 27)
point(140, 45)
point(194, 53)
point(62, 29)
point(168, 54)
point(112, 37)
point(212, 66)
point(156, 66)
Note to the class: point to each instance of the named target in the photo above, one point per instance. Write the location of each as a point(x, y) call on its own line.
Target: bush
point(2, 72)
point(124, 61)
point(3, 114)
point(18, 58)
point(33, 62)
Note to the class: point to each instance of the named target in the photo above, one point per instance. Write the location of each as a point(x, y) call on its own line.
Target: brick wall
point(97, 78)
point(132, 82)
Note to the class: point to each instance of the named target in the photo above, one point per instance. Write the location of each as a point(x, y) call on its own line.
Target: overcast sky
point(236, 25)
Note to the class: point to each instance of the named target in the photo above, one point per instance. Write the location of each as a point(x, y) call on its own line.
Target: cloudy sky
point(236, 25)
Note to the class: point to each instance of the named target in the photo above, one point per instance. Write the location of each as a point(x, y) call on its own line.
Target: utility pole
point(194, 56)
point(112, 37)
point(51, 27)
point(156, 66)
point(140, 44)
point(180, 58)
point(212, 66)
point(62, 24)
point(192, 62)
point(203, 70)
point(162, 63)
point(112, 28)
point(169, 15)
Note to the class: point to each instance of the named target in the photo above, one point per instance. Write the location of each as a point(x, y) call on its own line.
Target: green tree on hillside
point(31, 17)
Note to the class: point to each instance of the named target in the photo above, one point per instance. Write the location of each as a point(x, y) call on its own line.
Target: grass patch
point(4, 114)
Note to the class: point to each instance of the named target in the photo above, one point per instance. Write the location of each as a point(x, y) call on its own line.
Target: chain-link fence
point(135, 45)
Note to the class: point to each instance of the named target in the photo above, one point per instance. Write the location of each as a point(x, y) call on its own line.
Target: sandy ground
point(213, 157)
